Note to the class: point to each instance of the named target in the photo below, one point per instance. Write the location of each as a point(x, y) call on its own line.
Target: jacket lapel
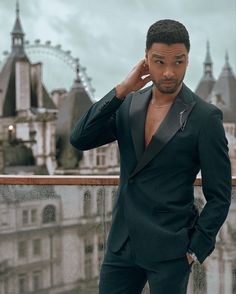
point(138, 111)
point(175, 119)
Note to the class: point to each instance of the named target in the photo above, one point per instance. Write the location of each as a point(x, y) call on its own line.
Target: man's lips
point(168, 82)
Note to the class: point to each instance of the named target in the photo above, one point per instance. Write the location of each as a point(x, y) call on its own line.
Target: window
point(87, 203)
point(33, 215)
point(101, 242)
point(29, 216)
point(88, 250)
point(101, 157)
point(4, 218)
point(49, 214)
point(113, 195)
point(22, 249)
point(100, 250)
point(100, 202)
point(23, 283)
point(91, 163)
point(37, 280)
point(6, 285)
point(234, 280)
point(25, 217)
point(88, 267)
point(36, 247)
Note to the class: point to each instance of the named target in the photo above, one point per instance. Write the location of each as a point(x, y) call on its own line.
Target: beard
point(168, 86)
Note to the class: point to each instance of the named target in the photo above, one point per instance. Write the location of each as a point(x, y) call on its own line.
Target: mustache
point(169, 80)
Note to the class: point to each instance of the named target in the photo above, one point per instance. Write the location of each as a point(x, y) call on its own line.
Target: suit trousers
point(120, 274)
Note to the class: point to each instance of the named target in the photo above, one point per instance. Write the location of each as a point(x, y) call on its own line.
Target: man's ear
point(146, 57)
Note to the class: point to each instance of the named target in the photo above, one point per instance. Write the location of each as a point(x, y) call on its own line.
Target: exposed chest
point(154, 118)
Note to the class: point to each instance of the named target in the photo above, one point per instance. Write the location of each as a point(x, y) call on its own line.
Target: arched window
point(49, 214)
point(87, 203)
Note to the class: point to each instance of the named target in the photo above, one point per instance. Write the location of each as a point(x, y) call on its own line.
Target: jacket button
point(131, 181)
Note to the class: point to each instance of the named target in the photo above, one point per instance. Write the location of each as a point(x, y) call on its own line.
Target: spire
point(17, 9)
point(227, 70)
point(208, 56)
point(17, 33)
point(227, 59)
point(207, 81)
point(208, 63)
point(17, 29)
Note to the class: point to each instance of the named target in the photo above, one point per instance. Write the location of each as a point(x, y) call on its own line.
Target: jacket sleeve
point(98, 126)
point(216, 185)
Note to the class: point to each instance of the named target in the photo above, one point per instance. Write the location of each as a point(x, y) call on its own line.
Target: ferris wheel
point(59, 67)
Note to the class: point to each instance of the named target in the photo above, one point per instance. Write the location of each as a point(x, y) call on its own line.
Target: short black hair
point(169, 32)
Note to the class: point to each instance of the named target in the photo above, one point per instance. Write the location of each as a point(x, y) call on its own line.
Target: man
point(166, 134)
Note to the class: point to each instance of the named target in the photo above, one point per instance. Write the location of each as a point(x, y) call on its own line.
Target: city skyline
point(98, 34)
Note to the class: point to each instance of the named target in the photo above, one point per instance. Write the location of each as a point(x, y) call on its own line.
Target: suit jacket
point(155, 200)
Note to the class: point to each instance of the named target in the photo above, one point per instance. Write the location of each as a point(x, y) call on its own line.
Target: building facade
point(222, 93)
point(52, 238)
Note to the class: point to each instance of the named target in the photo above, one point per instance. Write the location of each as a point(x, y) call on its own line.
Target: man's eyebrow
point(155, 55)
point(158, 56)
point(180, 56)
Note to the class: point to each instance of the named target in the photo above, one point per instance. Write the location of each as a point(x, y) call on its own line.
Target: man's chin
point(167, 90)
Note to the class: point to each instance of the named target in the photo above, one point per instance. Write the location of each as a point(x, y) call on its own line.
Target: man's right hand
point(134, 81)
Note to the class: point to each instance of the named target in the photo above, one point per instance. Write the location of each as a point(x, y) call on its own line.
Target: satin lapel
point(138, 110)
point(175, 119)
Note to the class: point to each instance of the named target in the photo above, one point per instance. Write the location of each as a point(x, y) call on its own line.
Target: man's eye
point(178, 62)
point(159, 61)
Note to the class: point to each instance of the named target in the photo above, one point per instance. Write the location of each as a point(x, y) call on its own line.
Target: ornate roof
point(225, 90)
point(17, 29)
point(74, 106)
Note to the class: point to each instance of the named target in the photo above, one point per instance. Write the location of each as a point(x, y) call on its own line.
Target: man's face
point(167, 65)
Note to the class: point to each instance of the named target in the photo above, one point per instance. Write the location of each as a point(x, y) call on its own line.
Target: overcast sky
point(109, 35)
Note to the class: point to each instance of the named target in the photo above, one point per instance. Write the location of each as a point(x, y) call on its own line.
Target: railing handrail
point(69, 180)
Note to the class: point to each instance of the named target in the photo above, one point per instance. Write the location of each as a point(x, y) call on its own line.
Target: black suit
point(155, 200)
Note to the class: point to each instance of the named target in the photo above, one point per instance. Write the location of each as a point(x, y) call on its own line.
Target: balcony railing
point(53, 233)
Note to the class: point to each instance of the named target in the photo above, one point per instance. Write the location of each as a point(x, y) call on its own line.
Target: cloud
point(109, 36)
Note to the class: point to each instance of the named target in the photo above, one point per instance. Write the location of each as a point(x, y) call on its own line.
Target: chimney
point(22, 87)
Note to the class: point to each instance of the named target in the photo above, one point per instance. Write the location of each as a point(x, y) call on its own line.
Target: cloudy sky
point(109, 35)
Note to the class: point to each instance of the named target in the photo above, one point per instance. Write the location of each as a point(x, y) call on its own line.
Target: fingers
point(144, 72)
point(147, 79)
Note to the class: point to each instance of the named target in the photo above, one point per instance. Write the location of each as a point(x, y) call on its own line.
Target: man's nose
point(168, 73)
